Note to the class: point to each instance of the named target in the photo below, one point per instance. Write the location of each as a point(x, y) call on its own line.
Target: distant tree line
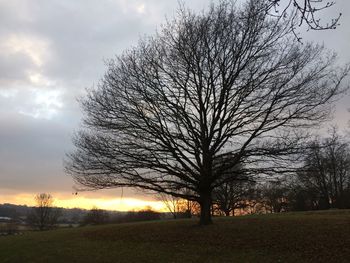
point(98, 216)
point(321, 182)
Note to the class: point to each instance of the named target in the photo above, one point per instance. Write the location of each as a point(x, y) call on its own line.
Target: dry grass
point(290, 237)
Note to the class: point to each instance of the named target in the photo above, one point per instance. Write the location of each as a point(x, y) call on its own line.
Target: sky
point(50, 53)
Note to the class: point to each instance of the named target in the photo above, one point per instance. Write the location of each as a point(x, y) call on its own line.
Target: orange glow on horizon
point(124, 204)
point(106, 203)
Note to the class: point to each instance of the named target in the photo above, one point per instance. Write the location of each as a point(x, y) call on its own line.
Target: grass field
point(289, 237)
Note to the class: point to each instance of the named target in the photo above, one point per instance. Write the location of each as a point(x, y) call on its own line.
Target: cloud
point(34, 48)
point(45, 104)
point(50, 51)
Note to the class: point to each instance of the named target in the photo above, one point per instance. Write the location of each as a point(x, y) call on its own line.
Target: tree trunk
point(205, 203)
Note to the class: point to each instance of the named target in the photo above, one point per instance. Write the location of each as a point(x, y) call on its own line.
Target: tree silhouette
point(232, 82)
point(44, 215)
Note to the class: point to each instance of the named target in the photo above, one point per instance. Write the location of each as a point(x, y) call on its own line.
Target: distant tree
point(228, 82)
point(253, 201)
point(301, 198)
point(178, 207)
point(44, 215)
point(145, 214)
point(231, 194)
point(274, 196)
point(96, 217)
point(172, 203)
point(327, 171)
point(191, 208)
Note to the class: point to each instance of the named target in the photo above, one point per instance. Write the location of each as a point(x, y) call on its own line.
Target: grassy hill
point(290, 237)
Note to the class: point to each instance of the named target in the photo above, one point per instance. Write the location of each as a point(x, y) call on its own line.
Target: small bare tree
point(178, 207)
point(231, 195)
point(273, 196)
point(44, 215)
point(229, 82)
point(172, 203)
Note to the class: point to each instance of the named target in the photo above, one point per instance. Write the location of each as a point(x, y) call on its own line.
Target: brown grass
point(290, 237)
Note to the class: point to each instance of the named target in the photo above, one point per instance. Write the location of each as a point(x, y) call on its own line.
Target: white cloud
point(141, 8)
point(39, 80)
point(44, 104)
point(8, 93)
point(132, 6)
point(35, 48)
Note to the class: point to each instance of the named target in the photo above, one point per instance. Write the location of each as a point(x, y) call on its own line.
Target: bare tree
point(44, 215)
point(327, 171)
point(232, 81)
point(230, 196)
point(274, 196)
point(172, 203)
point(178, 207)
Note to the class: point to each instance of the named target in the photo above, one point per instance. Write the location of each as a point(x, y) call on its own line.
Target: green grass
point(289, 237)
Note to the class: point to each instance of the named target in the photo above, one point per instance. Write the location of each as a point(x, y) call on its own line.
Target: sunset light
point(85, 202)
point(123, 204)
